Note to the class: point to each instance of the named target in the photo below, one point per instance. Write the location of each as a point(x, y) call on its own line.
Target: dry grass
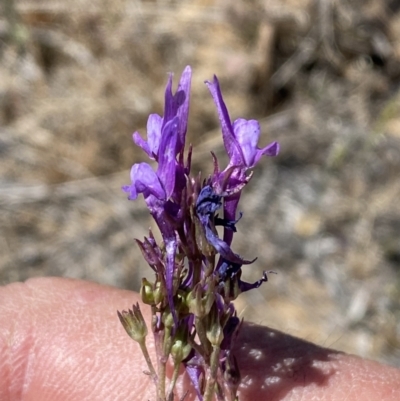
point(321, 76)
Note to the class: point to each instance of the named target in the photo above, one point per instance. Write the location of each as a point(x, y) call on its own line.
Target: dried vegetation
point(322, 76)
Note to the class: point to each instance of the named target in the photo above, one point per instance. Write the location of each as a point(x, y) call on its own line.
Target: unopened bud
point(200, 302)
point(158, 293)
point(167, 318)
point(214, 331)
point(180, 350)
point(181, 347)
point(147, 292)
point(180, 303)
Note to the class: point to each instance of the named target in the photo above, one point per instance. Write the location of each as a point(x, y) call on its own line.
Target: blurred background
point(321, 76)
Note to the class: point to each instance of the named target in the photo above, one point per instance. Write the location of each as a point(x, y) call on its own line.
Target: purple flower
point(240, 141)
point(165, 140)
point(176, 105)
point(162, 189)
point(208, 202)
point(195, 371)
point(157, 187)
point(232, 272)
point(241, 137)
point(193, 318)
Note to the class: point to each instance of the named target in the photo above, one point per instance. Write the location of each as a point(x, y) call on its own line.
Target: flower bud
point(200, 304)
point(134, 323)
point(180, 350)
point(158, 293)
point(167, 318)
point(147, 292)
point(180, 346)
point(214, 330)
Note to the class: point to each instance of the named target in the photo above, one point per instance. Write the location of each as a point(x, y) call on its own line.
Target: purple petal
point(139, 141)
point(228, 269)
point(208, 202)
point(231, 145)
point(171, 246)
point(244, 286)
point(230, 206)
point(167, 157)
point(227, 223)
point(182, 98)
point(178, 105)
point(270, 150)
point(194, 373)
point(145, 181)
point(152, 144)
point(169, 104)
point(223, 248)
point(247, 133)
point(154, 124)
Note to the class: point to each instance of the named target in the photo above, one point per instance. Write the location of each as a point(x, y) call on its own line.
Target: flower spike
point(196, 273)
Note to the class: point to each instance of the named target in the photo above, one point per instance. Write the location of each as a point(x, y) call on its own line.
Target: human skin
point(60, 339)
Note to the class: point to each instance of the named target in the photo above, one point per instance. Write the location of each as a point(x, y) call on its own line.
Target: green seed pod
point(147, 292)
point(199, 303)
point(214, 330)
point(133, 323)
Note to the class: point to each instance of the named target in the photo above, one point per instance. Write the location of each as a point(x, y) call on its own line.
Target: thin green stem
point(174, 378)
point(161, 382)
point(212, 374)
point(162, 363)
point(167, 341)
point(146, 355)
point(201, 332)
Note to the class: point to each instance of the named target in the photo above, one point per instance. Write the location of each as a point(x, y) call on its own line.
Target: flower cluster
point(197, 274)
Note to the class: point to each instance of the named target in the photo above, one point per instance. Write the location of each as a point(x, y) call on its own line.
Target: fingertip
point(61, 340)
point(276, 366)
